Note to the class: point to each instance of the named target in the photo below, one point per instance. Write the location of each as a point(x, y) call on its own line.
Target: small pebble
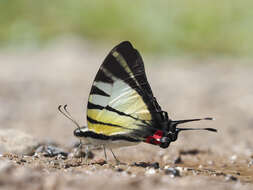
point(233, 158)
point(181, 169)
point(119, 170)
point(66, 166)
point(79, 153)
point(90, 155)
point(61, 157)
point(40, 149)
point(178, 160)
point(150, 171)
point(154, 165)
point(141, 164)
point(22, 160)
point(51, 151)
point(100, 162)
point(190, 152)
point(195, 172)
point(173, 172)
point(250, 163)
point(230, 178)
point(76, 153)
point(210, 162)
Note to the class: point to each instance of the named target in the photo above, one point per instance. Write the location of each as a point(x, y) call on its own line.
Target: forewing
point(121, 100)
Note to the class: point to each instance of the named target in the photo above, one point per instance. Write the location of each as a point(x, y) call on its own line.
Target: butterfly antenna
point(187, 129)
point(176, 122)
point(62, 108)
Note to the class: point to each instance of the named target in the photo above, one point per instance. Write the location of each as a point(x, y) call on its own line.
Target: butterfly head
point(80, 132)
point(169, 131)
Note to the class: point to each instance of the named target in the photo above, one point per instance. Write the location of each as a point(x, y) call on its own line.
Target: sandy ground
point(35, 81)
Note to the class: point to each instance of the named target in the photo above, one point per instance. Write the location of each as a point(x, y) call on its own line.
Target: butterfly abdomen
point(92, 138)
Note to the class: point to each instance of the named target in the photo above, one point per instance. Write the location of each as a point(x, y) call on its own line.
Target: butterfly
point(122, 110)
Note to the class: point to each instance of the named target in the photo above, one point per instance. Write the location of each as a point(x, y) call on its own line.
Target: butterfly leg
point(116, 159)
point(80, 149)
point(86, 154)
point(105, 153)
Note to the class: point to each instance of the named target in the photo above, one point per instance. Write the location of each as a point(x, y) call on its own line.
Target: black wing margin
point(138, 80)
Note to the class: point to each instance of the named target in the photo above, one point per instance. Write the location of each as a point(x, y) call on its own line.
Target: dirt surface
point(35, 81)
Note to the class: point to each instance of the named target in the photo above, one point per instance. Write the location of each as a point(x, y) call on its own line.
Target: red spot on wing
point(155, 138)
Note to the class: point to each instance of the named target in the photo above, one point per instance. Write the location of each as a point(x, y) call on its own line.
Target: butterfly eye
point(80, 132)
point(77, 132)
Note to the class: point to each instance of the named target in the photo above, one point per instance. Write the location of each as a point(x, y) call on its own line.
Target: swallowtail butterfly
point(122, 109)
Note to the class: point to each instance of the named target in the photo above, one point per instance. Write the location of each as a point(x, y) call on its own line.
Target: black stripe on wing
point(106, 137)
point(109, 108)
point(94, 106)
point(114, 67)
point(96, 90)
point(137, 133)
point(93, 121)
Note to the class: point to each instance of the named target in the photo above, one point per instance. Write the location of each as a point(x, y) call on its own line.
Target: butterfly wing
point(121, 100)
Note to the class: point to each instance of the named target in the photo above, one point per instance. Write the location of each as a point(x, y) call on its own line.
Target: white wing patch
point(99, 99)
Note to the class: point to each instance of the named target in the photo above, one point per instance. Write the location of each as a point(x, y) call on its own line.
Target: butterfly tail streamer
point(177, 122)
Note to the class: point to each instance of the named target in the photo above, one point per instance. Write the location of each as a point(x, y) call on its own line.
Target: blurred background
point(198, 58)
point(169, 27)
